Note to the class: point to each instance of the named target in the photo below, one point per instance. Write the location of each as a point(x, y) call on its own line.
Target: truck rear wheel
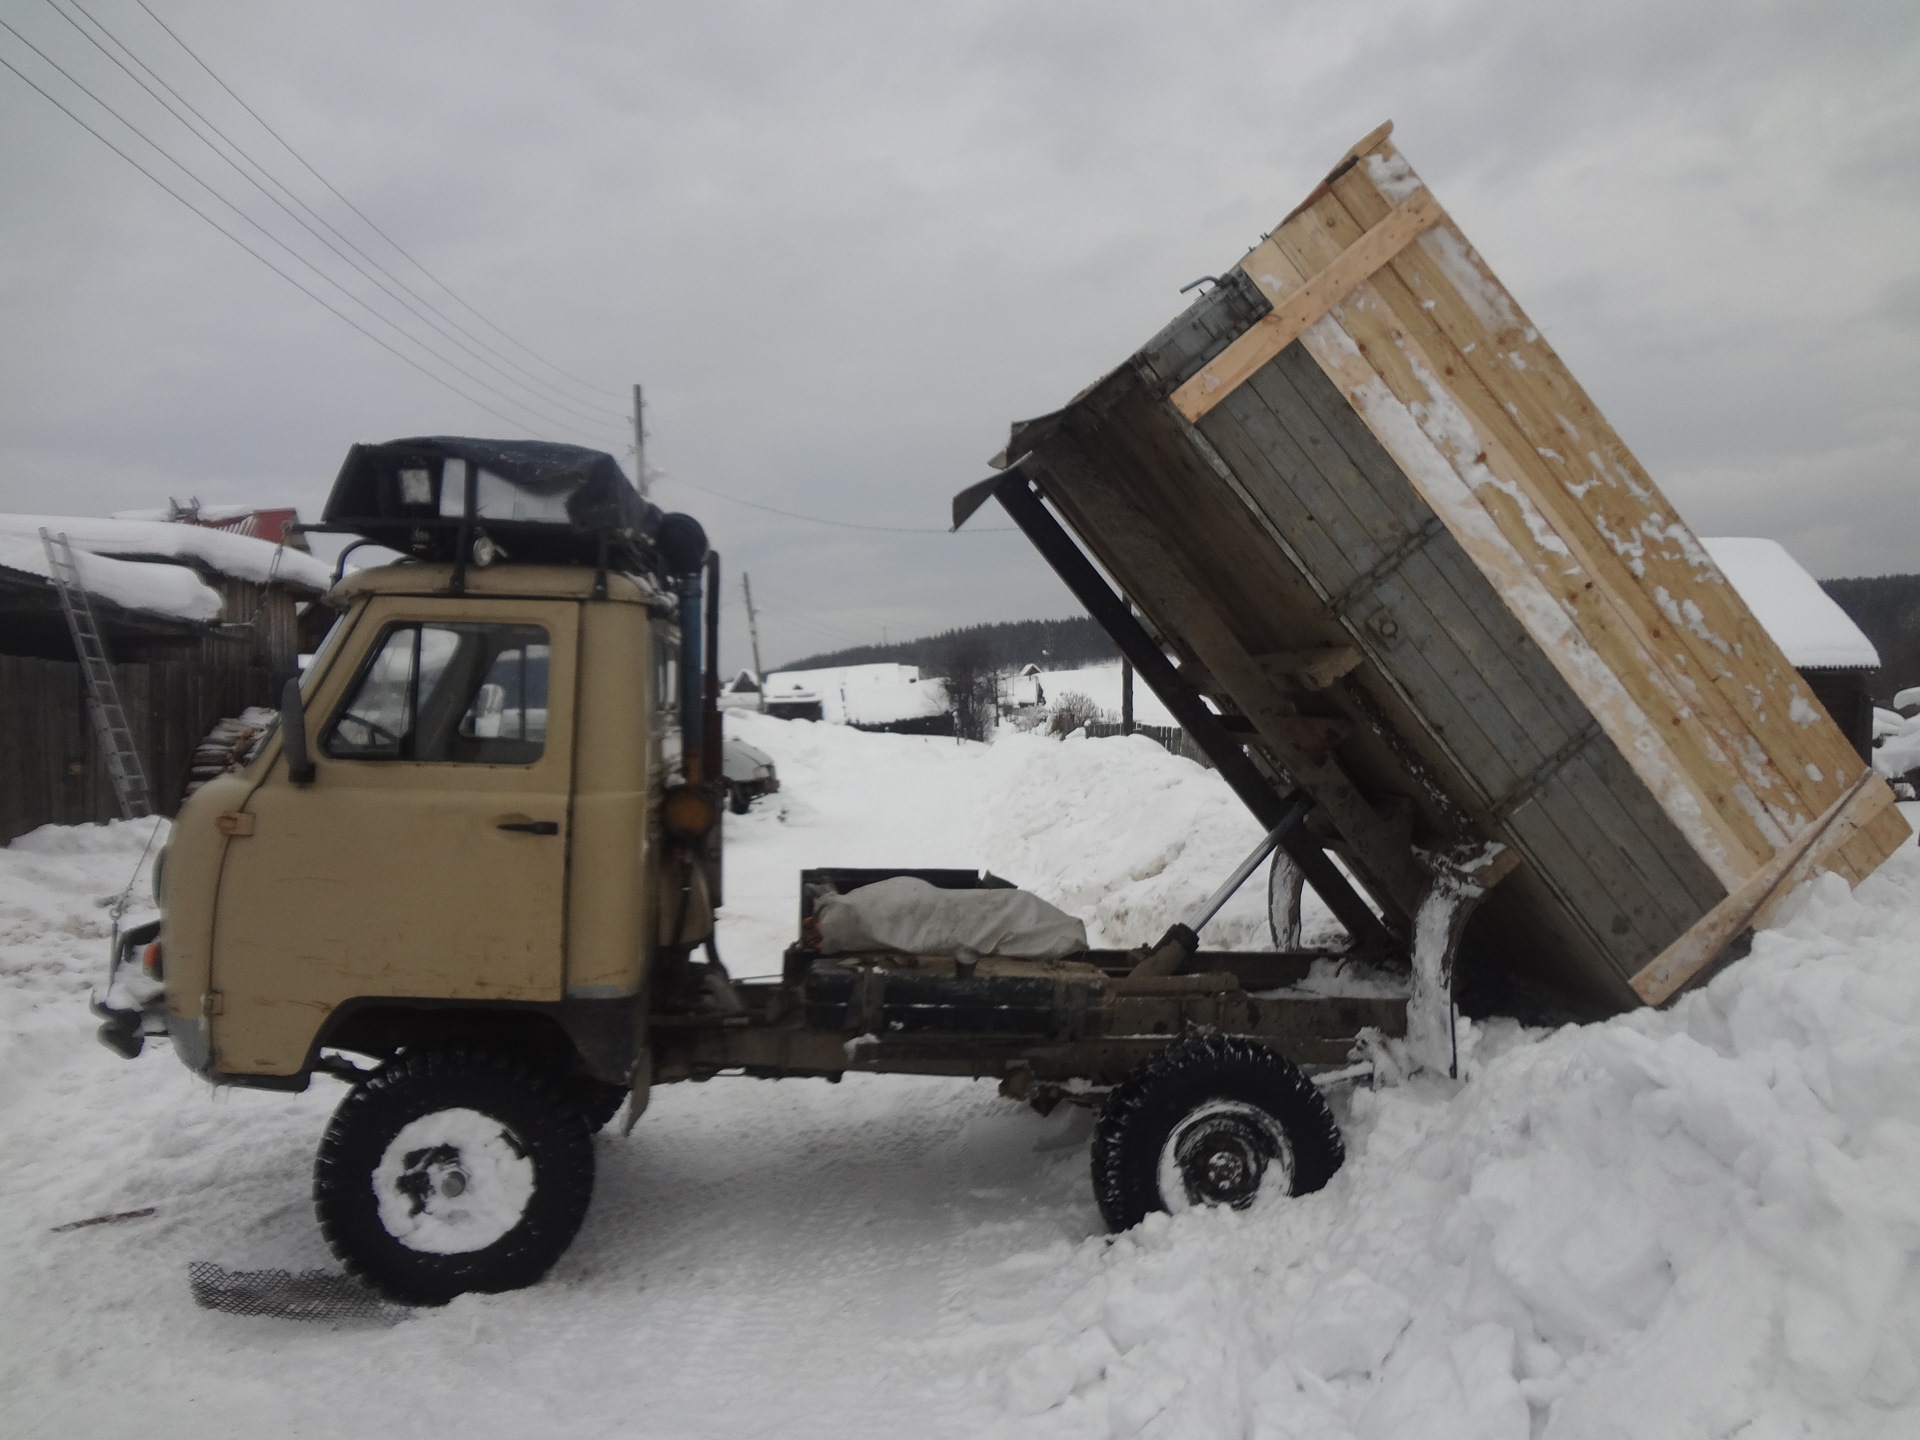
point(449, 1171)
point(1210, 1120)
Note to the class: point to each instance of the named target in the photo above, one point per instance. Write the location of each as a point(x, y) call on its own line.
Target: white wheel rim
point(1225, 1152)
point(452, 1182)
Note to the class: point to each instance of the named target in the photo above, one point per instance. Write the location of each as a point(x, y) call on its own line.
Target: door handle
point(531, 827)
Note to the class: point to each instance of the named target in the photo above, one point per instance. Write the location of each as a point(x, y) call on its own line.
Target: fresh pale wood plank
point(1306, 303)
point(1423, 370)
point(1759, 896)
point(1578, 472)
point(1352, 365)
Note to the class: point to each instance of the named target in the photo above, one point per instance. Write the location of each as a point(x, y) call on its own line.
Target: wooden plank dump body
point(1383, 531)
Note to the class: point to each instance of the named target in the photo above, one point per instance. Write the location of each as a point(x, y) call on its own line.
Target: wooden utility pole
point(639, 442)
point(1126, 696)
point(753, 634)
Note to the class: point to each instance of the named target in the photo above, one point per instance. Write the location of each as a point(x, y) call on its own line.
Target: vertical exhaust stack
point(710, 736)
point(682, 547)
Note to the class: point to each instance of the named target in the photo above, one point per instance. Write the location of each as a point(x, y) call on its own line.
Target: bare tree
point(973, 687)
point(1071, 711)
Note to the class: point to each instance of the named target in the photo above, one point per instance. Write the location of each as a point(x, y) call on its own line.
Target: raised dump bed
point(1374, 520)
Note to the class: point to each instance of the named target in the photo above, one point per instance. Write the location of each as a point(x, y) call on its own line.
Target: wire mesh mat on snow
point(310, 1295)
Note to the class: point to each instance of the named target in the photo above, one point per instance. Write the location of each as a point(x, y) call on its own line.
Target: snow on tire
point(448, 1172)
point(1210, 1120)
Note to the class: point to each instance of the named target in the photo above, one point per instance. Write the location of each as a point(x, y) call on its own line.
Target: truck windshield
point(448, 693)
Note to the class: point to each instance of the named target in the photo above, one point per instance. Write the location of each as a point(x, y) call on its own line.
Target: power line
point(311, 295)
point(580, 409)
point(276, 240)
point(285, 145)
point(838, 524)
point(524, 403)
point(866, 613)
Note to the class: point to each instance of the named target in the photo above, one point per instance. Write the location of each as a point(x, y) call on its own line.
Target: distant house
point(200, 623)
point(741, 693)
point(1887, 610)
point(868, 697)
point(1818, 638)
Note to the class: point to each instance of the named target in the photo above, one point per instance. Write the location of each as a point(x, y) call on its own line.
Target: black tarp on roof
point(540, 500)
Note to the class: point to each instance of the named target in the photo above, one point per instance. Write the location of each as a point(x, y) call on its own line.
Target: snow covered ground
point(1100, 684)
point(1703, 1222)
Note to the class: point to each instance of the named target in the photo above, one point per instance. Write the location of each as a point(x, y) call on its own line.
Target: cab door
point(428, 857)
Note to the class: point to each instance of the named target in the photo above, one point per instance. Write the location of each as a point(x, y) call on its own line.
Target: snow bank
point(1698, 1222)
point(1695, 1223)
point(1127, 837)
point(1812, 631)
point(1117, 832)
point(1896, 738)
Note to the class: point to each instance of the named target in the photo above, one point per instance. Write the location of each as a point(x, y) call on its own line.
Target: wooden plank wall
point(51, 772)
point(1445, 368)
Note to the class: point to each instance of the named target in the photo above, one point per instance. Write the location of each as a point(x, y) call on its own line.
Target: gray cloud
point(844, 246)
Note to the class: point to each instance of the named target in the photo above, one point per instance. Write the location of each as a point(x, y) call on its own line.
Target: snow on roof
point(1805, 622)
point(205, 514)
point(161, 589)
point(882, 694)
point(160, 580)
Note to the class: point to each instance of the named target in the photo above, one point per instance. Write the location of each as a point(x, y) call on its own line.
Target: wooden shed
point(198, 626)
point(1406, 567)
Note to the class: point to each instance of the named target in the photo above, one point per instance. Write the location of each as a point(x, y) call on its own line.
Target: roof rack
point(449, 498)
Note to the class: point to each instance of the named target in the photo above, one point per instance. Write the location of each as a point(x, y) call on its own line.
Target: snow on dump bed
point(1696, 1223)
point(141, 563)
point(1810, 628)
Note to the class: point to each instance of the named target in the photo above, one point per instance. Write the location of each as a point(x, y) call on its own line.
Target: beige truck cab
point(477, 829)
point(473, 872)
point(476, 832)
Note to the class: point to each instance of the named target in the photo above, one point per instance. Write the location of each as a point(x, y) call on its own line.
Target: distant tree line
point(1887, 609)
point(1050, 644)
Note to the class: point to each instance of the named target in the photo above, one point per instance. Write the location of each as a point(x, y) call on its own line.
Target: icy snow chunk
point(1393, 175)
point(1355, 1322)
point(1466, 1391)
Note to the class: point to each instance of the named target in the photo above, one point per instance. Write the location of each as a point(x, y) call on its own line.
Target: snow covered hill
point(1703, 1222)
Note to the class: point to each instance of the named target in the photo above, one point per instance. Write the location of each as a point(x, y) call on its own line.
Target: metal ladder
point(103, 695)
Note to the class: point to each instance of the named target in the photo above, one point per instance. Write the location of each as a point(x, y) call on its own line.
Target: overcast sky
point(844, 245)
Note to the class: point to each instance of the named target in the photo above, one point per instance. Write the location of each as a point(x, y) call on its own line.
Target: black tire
point(1216, 1116)
point(515, 1139)
point(599, 1101)
point(737, 799)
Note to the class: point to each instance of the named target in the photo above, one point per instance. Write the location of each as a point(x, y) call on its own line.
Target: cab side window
point(448, 693)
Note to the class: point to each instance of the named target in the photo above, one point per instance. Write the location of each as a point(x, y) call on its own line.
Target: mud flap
point(640, 1087)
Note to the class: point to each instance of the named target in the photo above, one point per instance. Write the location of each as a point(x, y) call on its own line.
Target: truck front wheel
point(1210, 1120)
point(450, 1171)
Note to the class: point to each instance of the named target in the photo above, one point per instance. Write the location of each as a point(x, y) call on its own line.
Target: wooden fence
point(1171, 737)
point(51, 769)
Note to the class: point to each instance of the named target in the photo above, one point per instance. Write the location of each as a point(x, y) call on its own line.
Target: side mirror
point(293, 735)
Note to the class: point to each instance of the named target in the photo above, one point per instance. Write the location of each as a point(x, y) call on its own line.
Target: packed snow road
point(1697, 1223)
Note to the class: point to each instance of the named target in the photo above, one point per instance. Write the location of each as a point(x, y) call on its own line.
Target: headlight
point(687, 812)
